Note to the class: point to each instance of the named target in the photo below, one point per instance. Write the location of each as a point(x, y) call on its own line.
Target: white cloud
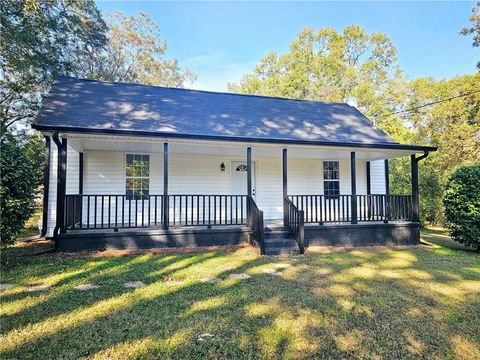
point(215, 70)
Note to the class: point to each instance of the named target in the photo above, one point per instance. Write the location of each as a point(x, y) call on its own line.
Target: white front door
point(238, 178)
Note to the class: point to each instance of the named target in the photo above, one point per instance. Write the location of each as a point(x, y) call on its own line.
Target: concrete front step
point(280, 245)
point(275, 228)
point(280, 242)
point(282, 251)
point(277, 234)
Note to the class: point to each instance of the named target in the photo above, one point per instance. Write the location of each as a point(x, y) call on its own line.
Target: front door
point(239, 178)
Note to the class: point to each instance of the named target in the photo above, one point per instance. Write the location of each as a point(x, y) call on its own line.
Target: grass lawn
point(387, 303)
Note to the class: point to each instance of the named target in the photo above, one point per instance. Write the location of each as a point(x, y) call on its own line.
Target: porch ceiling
point(83, 143)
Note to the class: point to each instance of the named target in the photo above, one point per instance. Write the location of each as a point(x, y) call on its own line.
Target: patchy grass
point(392, 303)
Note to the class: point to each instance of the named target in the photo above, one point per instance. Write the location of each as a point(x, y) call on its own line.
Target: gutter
point(67, 129)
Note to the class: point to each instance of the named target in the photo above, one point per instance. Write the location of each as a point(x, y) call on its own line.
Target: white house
point(142, 166)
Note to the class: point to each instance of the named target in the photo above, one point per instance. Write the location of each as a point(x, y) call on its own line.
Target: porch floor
point(268, 224)
point(276, 223)
point(154, 229)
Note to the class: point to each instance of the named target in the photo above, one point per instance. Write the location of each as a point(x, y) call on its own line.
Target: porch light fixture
point(222, 167)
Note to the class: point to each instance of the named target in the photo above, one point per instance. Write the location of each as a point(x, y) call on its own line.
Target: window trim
point(135, 197)
point(331, 180)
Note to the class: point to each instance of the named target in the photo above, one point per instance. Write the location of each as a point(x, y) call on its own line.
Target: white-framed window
point(137, 174)
point(331, 178)
point(241, 167)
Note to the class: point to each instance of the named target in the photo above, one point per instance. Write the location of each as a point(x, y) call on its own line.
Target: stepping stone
point(210, 280)
point(85, 287)
point(134, 284)
point(271, 271)
point(239, 276)
point(36, 288)
point(6, 286)
point(203, 336)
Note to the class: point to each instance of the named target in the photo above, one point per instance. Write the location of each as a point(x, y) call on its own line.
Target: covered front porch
point(215, 193)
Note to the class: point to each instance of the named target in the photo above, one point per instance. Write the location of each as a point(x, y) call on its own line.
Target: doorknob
point(253, 192)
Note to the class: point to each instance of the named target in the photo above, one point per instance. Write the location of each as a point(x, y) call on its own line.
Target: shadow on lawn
point(441, 238)
point(387, 304)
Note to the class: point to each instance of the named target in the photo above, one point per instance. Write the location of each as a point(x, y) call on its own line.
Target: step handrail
point(255, 222)
point(295, 222)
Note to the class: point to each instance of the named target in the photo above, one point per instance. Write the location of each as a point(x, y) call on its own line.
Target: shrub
point(17, 188)
point(462, 205)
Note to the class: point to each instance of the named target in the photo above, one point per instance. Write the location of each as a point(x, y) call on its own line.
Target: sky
point(221, 41)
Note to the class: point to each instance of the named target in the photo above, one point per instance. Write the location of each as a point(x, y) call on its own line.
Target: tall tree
point(326, 65)
point(135, 53)
point(474, 29)
point(39, 40)
point(453, 126)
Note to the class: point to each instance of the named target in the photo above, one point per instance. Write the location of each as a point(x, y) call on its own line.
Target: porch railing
point(112, 211)
point(121, 211)
point(296, 223)
point(338, 209)
point(255, 222)
point(209, 210)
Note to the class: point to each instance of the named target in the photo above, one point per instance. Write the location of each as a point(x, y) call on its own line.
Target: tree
point(17, 188)
point(453, 126)
point(39, 40)
point(474, 30)
point(135, 53)
point(326, 65)
point(462, 205)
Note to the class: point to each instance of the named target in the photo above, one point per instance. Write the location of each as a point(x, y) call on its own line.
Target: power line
point(432, 103)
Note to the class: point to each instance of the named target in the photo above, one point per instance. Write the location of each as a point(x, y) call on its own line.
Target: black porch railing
point(209, 210)
point(295, 222)
point(255, 222)
point(338, 209)
point(122, 211)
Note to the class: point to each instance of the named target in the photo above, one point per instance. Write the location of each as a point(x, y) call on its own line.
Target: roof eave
point(69, 129)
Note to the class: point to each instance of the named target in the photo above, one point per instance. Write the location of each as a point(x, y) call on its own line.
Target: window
point(331, 178)
point(241, 167)
point(137, 171)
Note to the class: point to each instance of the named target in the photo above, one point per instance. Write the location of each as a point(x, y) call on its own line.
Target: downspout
point(421, 157)
point(46, 185)
point(57, 142)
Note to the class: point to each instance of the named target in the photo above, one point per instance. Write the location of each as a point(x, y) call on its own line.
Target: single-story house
point(136, 166)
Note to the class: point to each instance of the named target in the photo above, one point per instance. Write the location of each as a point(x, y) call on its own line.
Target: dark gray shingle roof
point(100, 105)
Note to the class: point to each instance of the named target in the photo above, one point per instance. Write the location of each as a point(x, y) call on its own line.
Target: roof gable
point(90, 104)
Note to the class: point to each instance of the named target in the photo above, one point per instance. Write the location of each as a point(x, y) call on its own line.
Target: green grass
point(387, 303)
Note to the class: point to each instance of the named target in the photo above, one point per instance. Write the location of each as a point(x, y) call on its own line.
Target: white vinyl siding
point(52, 190)
point(377, 177)
point(73, 168)
point(71, 186)
point(104, 173)
point(197, 174)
